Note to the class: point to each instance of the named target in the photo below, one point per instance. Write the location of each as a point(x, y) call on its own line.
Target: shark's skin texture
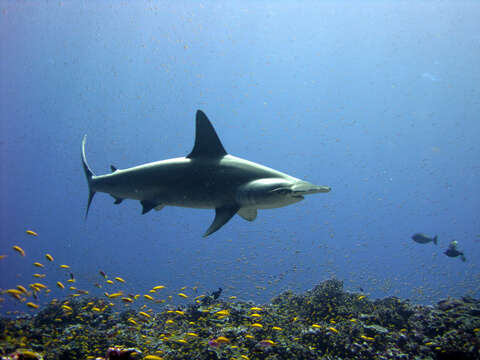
point(207, 178)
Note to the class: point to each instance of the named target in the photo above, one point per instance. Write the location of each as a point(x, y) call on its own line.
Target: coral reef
point(323, 323)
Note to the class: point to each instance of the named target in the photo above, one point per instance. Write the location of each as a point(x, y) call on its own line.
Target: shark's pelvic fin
point(148, 205)
point(88, 174)
point(222, 215)
point(207, 143)
point(248, 214)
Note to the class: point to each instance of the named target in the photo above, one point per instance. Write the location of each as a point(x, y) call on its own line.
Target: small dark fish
point(424, 239)
point(71, 276)
point(452, 251)
point(361, 289)
point(98, 285)
point(216, 294)
point(103, 274)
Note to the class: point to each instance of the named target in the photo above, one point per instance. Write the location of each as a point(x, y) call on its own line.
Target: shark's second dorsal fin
point(207, 143)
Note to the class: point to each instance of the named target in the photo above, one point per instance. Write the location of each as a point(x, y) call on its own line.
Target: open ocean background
point(379, 100)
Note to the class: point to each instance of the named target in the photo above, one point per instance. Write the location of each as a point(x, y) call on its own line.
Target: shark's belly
point(191, 194)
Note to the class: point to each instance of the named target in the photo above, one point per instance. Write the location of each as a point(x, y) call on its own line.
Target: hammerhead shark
point(207, 178)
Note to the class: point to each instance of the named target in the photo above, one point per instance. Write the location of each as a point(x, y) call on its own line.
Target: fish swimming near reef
point(424, 239)
point(207, 178)
point(453, 251)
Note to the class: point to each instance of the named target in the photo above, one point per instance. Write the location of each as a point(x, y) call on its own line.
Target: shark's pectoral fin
point(222, 216)
point(248, 214)
point(149, 205)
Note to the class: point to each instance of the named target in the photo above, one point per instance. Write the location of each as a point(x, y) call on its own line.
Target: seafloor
point(324, 323)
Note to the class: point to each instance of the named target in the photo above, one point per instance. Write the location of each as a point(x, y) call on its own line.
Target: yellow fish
point(222, 313)
point(332, 329)
point(49, 257)
point(19, 250)
point(114, 295)
point(32, 305)
point(120, 279)
point(39, 285)
point(22, 289)
point(31, 232)
point(13, 291)
point(222, 340)
point(256, 309)
point(37, 264)
point(182, 295)
point(368, 338)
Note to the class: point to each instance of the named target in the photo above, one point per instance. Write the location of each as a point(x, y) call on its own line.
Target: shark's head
point(272, 193)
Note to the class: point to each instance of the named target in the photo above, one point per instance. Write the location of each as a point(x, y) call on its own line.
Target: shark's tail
point(435, 239)
point(89, 174)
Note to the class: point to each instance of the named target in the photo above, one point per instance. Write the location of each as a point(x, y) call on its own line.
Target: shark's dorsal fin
point(207, 143)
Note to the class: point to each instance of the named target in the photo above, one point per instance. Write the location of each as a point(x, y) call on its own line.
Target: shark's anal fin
point(207, 143)
point(149, 205)
point(222, 216)
point(248, 214)
point(117, 200)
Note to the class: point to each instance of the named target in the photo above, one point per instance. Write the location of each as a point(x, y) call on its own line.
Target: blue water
point(378, 100)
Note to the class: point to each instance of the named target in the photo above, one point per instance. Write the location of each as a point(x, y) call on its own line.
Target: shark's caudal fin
point(207, 143)
point(88, 173)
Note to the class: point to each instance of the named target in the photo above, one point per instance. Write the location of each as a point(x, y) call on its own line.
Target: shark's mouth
point(298, 196)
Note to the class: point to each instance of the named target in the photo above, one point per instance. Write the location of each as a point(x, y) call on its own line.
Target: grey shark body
point(207, 178)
